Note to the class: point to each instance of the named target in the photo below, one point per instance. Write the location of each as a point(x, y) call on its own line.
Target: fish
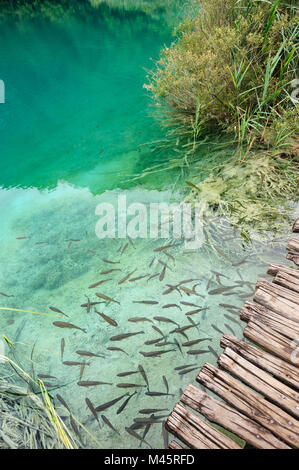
point(212, 350)
point(92, 409)
point(73, 240)
point(96, 284)
point(82, 369)
point(90, 251)
point(88, 304)
point(109, 271)
point(117, 349)
point(193, 323)
point(145, 302)
point(153, 341)
point(155, 353)
point(134, 434)
point(105, 297)
point(232, 319)
point(22, 238)
point(195, 352)
point(217, 329)
point(192, 185)
point(153, 276)
point(158, 394)
point(194, 312)
point(164, 264)
point(69, 245)
point(219, 274)
point(124, 248)
point(171, 289)
point(62, 346)
point(125, 335)
point(166, 320)
point(72, 363)
point(151, 420)
point(129, 385)
point(43, 376)
point(92, 383)
point(162, 275)
point(166, 383)
point(189, 291)
point(138, 278)
point(221, 290)
point(54, 309)
point(124, 374)
point(75, 427)
point(62, 324)
point(172, 306)
point(189, 304)
point(106, 421)
point(91, 304)
point(178, 345)
point(139, 319)
point(167, 247)
point(107, 405)
point(169, 255)
point(230, 329)
point(126, 277)
point(107, 319)
point(6, 295)
point(158, 331)
point(124, 404)
point(186, 371)
point(131, 241)
point(62, 401)
point(148, 411)
point(238, 263)
point(195, 341)
point(165, 343)
point(110, 262)
point(89, 354)
point(229, 306)
point(144, 376)
point(151, 263)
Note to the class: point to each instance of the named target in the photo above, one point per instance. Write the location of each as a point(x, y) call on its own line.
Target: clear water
point(70, 129)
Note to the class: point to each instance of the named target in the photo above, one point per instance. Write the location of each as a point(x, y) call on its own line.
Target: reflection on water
point(51, 256)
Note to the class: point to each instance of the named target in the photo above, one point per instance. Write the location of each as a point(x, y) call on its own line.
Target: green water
point(74, 118)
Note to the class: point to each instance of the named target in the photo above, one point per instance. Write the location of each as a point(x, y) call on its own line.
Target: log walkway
point(257, 382)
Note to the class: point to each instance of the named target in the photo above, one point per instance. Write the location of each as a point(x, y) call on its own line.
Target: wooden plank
point(271, 340)
point(196, 433)
point(293, 246)
point(175, 446)
point(285, 372)
point(275, 268)
point(285, 326)
point(287, 281)
point(293, 257)
point(279, 291)
point(231, 419)
point(296, 226)
point(278, 304)
point(261, 381)
point(250, 404)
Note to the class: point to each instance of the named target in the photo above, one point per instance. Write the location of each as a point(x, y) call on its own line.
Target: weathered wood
point(279, 291)
point(271, 340)
point(275, 268)
point(282, 370)
point(293, 246)
point(293, 257)
point(287, 281)
point(250, 404)
point(261, 381)
point(285, 326)
point(195, 432)
point(278, 304)
point(296, 226)
point(175, 446)
point(231, 419)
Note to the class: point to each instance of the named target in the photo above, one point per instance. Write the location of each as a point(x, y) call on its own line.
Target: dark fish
point(109, 403)
point(158, 331)
point(69, 245)
point(171, 306)
point(124, 404)
point(195, 352)
point(98, 283)
point(166, 383)
point(144, 376)
point(89, 354)
point(152, 341)
point(153, 276)
point(72, 363)
point(219, 274)
point(54, 309)
point(148, 411)
point(189, 304)
point(22, 238)
point(59, 397)
point(106, 421)
point(192, 185)
point(139, 319)
point(62, 346)
point(92, 409)
point(162, 275)
point(221, 290)
point(151, 263)
point(229, 306)
point(158, 394)
point(138, 278)
point(73, 240)
point(109, 271)
point(124, 374)
point(165, 265)
point(155, 353)
point(217, 329)
point(91, 383)
point(189, 291)
point(90, 251)
point(166, 320)
point(105, 297)
point(129, 385)
point(212, 350)
point(110, 262)
point(134, 434)
point(75, 427)
point(41, 243)
point(42, 376)
point(126, 277)
point(61, 324)
point(184, 367)
point(194, 312)
point(162, 248)
point(107, 319)
point(5, 295)
point(145, 302)
point(117, 349)
point(125, 335)
point(169, 255)
point(124, 248)
point(165, 343)
point(186, 371)
point(151, 420)
point(195, 341)
point(178, 345)
point(232, 319)
point(230, 329)
point(82, 369)
point(193, 323)
point(90, 304)
point(242, 261)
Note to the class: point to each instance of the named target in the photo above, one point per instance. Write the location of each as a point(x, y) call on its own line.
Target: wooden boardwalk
point(257, 382)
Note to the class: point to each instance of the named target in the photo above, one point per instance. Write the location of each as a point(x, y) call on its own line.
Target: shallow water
point(74, 90)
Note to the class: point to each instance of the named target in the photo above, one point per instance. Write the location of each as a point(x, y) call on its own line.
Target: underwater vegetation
point(232, 73)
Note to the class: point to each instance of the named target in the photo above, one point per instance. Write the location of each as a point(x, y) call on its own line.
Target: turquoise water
point(74, 118)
